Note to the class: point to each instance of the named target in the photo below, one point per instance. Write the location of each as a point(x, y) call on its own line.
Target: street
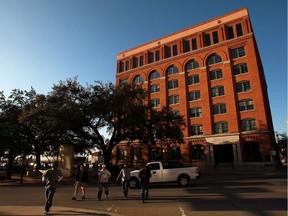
point(249, 195)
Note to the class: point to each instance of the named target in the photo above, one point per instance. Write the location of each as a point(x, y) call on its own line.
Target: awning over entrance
point(223, 139)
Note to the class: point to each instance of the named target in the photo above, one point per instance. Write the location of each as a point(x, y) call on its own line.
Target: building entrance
point(223, 153)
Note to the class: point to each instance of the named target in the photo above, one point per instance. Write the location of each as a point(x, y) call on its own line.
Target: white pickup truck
point(169, 173)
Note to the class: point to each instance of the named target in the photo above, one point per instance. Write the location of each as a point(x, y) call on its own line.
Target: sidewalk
point(38, 210)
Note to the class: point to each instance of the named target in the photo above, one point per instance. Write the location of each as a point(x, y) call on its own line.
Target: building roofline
point(226, 18)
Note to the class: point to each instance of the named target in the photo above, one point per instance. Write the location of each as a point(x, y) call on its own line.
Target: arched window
point(192, 64)
point(172, 70)
point(214, 59)
point(138, 79)
point(154, 75)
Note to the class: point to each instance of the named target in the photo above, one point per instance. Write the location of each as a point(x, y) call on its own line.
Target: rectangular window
point(230, 33)
point(195, 112)
point(126, 65)
point(173, 99)
point(216, 74)
point(194, 79)
point(122, 66)
point(240, 69)
point(155, 102)
point(194, 44)
point(167, 52)
point(186, 46)
point(239, 30)
point(215, 37)
point(141, 60)
point(135, 62)
point(157, 55)
point(207, 40)
point(155, 88)
point(243, 86)
point(194, 95)
point(196, 130)
point(173, 84)
point(238, 52)
point(221, 127)
point(175, 51)
point(246, 105)
point(218, 91)
point(219, 109)
point(150, 57)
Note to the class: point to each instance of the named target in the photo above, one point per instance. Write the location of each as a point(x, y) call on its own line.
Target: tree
point(82, 112)
point(15, 137)
point(38, 117)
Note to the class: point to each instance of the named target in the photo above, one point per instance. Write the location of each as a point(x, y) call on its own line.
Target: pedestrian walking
point(144, 176)
point(81, 179)
point(51, 179)
point(124, 175)
point(103, 178)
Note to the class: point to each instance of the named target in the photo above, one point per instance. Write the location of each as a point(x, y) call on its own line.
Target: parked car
point(170, 173)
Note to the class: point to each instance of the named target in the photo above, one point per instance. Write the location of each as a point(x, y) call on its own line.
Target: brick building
point(212, 74)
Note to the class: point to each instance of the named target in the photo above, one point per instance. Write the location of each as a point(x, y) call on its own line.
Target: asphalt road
point(239, 195)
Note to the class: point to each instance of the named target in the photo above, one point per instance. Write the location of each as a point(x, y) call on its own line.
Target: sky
point(45, 41)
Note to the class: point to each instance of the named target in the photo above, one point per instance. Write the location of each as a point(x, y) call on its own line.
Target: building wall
point(235, 145)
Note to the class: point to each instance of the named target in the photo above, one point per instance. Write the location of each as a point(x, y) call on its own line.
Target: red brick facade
point(212, 74)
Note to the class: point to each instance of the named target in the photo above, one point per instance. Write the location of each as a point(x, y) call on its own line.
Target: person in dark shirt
point(144, 176)
point(51, 178)
point(81, 179)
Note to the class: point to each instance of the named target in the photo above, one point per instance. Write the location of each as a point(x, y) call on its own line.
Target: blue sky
point(43, 42)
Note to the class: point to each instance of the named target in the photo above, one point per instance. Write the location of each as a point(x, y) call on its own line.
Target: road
point(239, 195)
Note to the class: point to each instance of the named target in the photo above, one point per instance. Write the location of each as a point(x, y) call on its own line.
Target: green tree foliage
point(81, 113)
point(15, 138)
point(77, 115)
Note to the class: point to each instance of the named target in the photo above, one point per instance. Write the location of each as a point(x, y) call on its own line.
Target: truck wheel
point(133, 183)
point(183, 180)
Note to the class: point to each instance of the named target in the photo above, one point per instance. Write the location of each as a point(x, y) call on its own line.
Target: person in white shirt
point(103, 178)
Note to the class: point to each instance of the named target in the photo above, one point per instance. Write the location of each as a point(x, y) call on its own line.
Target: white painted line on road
point(110, 208)
point(182, 212)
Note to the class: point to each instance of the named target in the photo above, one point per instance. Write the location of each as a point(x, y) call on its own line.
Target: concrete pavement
point(38, 210)
point(61, 210)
